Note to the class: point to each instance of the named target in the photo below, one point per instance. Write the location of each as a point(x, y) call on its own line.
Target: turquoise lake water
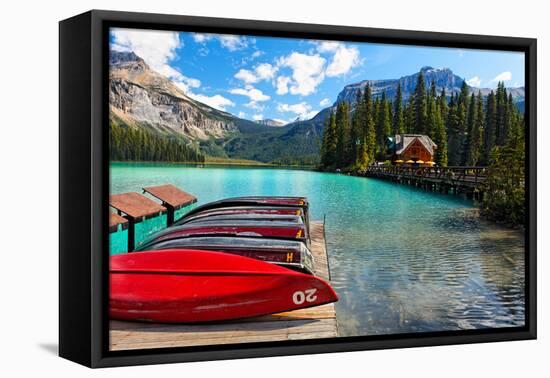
point(402, 259)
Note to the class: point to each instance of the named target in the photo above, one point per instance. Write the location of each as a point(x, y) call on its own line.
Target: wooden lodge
point(408, 148)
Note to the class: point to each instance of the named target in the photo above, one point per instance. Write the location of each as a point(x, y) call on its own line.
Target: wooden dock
point(171, 197)
point(116, 220)
point(454, 180)
point(311, 323)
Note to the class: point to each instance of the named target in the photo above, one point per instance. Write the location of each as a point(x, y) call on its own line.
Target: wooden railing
point(470, 175)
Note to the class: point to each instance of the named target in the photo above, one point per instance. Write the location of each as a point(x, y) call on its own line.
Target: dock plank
point(308, 323)
point(135, 205)
point(115, 220)
point(171, 195)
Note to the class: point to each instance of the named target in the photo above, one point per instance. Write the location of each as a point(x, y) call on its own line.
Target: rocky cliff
point(139, 95)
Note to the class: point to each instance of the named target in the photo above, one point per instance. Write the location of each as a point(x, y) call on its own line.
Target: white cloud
point(302, 109)
point(503, 76)
point(252, 93)
point(257, 117)
point(255, 106)
point(328, 46)
point(217, 101)
point(263, 71)
point(241, 114)
point(324, 102)
point(343, 60)
point(186, 83)
point(280, 120)
point(257, 54)
point(201, 37)
point(474, 82)
point(233, 42)
point(255, 95)
point(282, 85)
point(229, 41)
point(157, 48)
point(307, 72)
point(247, 76)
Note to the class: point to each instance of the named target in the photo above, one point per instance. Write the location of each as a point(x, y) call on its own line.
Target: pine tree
point(457, 126)
point(451, 126)
point(489, 132)
point(343, 129)
point(328, 157)
point(440, 139)
point(433, 90)
point(136, 144)
point(409, 116)
point(429, 128)
point(504, 199)
point(502, 123)
point(370, 127)
point(511, 118)
point(442, 104)
point(475, 135)
point(383, 125)
point(398, 116)
point(420, 105)
point(471, 121)
point(356, 132)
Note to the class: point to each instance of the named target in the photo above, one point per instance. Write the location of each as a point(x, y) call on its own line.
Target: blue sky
point(280, 78)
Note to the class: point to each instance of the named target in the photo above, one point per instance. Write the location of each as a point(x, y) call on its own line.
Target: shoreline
point(219, 163)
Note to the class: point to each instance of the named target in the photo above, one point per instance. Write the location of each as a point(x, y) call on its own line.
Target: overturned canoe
point(245, 217)
point(248, 210)
point(287, 253)
point(298, 203)
point(199, 286)
point(270, 230)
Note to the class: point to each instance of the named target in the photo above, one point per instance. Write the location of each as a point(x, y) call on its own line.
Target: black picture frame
point(83, 228)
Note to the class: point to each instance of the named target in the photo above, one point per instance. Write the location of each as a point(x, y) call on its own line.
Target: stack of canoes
point(228, 259)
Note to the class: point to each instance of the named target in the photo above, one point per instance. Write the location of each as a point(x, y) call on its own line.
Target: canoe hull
point(299, 203)
point(245, 217)
point(287, 231)
point(202, 286)
point(286, 253)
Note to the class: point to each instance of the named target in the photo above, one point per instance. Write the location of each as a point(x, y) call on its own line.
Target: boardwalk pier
point(456, 180)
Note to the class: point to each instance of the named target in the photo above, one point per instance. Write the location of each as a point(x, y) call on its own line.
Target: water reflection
point(455, 272)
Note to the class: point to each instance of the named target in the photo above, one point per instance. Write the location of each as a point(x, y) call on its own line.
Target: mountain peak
point(117, 58)
point(426, 68)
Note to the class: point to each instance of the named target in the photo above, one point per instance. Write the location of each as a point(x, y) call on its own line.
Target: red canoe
point(274, 230)
point(290, 254)
point(299, 203)
point(280, 210)
point(187, 286)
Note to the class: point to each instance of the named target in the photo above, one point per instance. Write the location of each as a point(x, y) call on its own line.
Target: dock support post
point(131, 234)
point(170, 213)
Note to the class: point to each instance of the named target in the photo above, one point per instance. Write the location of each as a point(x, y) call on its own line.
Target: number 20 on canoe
point(191, 286)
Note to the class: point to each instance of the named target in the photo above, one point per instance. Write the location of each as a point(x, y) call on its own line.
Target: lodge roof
point(403, 141)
